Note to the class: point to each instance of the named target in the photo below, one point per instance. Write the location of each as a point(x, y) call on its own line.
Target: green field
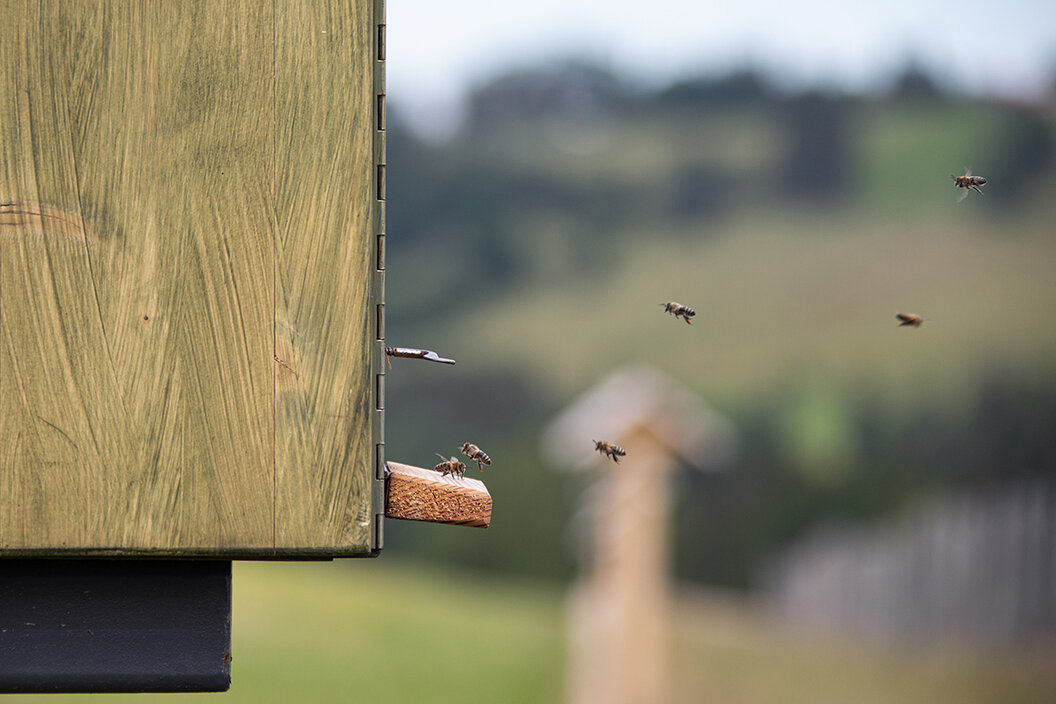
point(375, 631)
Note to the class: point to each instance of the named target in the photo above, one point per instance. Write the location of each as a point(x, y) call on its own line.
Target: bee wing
point(963, 195)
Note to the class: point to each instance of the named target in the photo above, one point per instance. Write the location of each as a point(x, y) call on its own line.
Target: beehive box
point(191, 277)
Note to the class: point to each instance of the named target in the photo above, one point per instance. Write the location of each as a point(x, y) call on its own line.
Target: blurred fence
point(978, 566)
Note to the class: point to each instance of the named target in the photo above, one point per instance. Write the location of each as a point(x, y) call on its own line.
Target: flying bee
point(909, 319)
point(968, 182)
point(475, 453)
point(679, 310)
point(450, 466)
point(610, 449)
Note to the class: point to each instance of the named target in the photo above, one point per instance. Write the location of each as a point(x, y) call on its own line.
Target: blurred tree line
point(526, 152)
point(472, 189)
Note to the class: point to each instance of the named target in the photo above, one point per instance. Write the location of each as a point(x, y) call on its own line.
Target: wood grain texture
point(324, 320)
point(418, 494)
point(186, 206)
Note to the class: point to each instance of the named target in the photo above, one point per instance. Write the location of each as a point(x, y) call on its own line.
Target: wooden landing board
point(189, 211)
point(418, 494)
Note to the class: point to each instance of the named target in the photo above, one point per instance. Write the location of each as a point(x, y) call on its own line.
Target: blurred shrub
point(1026, 149)
point(819, 162)
point(743, 87)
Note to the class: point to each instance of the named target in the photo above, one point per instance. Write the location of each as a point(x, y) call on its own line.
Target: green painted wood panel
point(187, 277)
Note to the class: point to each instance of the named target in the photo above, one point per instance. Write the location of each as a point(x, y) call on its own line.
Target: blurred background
point(886, 531)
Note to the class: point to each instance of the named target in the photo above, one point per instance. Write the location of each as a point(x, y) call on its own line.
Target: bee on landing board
point(450, 466)
point(475, 453)
point(610, 449)
point(679, 311)
point(909, 319)
point(968, 182)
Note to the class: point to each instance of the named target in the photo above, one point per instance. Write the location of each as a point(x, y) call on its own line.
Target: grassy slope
point(789, 297)
point(376, 632)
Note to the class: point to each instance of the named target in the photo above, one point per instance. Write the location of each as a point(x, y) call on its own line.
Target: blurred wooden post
point(619, 608)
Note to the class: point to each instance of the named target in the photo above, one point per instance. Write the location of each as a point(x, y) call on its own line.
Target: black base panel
point(115, 625)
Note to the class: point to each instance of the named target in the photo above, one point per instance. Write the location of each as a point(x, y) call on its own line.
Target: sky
point(437, 52)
